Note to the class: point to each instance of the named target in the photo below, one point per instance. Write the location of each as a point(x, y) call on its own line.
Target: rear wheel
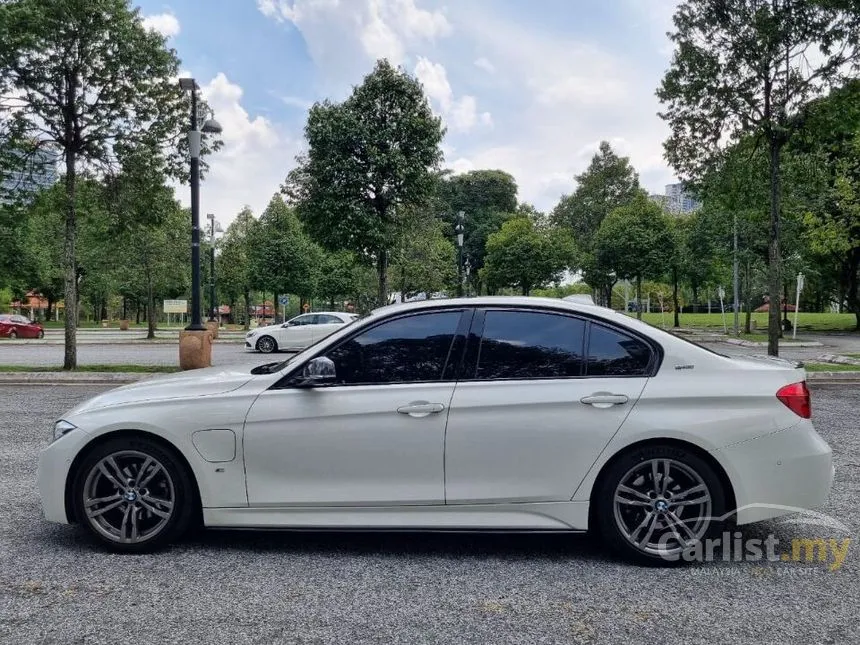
point(133, 495)
point(13, 335)
point(658, 502)
point(267, 345)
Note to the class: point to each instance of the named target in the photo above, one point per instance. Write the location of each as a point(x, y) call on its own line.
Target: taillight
point(796, 398)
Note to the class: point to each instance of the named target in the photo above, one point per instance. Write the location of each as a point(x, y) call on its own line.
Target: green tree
point(425, 260)
point(635, 242)
point(282, 258)
point(608, 182)
point(233, 264)
point(368, 159)
point(337, 276)
point(741, 67)
point(85, 77)
point(519, 255)
point(486, 198)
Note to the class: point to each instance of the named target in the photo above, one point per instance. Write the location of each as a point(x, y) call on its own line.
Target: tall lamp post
point(195, 349)
point(460, 229)
point(211, 126)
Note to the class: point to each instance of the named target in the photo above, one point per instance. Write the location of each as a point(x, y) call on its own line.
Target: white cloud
point(461, 114)
point(343, 35)
point(484, 64)
point(255, 158)
point(164, 23)
point(296, 102)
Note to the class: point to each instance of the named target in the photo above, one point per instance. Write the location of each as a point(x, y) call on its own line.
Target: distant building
point(660, 200)
point(36, 173)
point(680, 201)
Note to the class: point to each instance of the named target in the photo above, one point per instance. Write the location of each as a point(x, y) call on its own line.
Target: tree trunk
point(331, 303)
point(124, 303)
point(677, 321)
point(70, 357)
point(382, 277)
point(774, 269)
point(748, 295)
point(136, 312)
point(247, 317)
point(150, 310)
point(525, 289)
point(50, 308)
point(639, 297)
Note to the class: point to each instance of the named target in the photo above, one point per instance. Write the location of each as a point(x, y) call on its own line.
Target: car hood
point(193, 383)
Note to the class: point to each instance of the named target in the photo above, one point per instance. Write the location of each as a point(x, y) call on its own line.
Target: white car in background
point(297, 333)
point(480, 414)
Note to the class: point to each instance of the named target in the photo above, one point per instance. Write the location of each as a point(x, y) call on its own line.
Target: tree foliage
point(369, 159)
point(743, 67)
point(519, 255)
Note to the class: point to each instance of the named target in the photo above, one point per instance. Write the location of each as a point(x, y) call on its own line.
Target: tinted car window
point(326, 319)
point(410, 349)
point(525, 344)
point(613, 353)
point(309, 319)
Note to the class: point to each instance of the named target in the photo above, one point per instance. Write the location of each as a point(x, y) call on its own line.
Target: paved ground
point(56, 587)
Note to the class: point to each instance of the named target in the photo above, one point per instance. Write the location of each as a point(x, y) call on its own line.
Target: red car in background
point(15, 326)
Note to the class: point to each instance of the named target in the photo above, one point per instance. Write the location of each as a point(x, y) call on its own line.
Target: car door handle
point(420, 409)
point(604, 399)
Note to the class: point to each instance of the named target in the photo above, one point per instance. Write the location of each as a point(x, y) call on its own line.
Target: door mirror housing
point(318, 372)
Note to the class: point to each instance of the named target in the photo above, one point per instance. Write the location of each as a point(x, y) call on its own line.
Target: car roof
point(500, 301)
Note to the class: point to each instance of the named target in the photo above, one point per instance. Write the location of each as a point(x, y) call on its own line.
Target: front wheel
point(267, 345)
point(13, 335)
point(133, 495)
point(658, 504)
point(41, 333)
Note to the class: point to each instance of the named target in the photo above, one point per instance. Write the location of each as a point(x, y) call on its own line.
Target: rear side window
point(326, 319)
point(613, 353)
point(530, 344)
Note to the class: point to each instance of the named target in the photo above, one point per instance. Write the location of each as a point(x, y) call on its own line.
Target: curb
point(72, 378)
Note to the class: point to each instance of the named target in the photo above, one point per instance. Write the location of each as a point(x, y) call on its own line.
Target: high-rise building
point(679, 200)
point(35, 172)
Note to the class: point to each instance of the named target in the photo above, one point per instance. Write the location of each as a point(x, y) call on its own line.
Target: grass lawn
point(830, 367)
point(714, 321)
point(142, 369)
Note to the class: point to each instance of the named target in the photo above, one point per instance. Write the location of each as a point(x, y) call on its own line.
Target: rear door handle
point(604, 399)
point(420, 409)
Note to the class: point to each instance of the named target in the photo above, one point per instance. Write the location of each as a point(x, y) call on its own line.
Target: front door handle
point(418, 409)
point(604, 399)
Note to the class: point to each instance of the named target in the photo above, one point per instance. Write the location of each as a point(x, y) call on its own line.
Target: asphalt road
point(237, 588)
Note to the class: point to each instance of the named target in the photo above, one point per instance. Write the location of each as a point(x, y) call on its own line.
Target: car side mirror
point(318, 372)
point(286, 324)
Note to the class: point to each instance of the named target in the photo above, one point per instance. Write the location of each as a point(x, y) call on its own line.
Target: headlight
point(249, 334)
point(62, 427)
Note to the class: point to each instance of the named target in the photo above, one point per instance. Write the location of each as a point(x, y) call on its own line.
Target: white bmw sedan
point(474, 414)
point(297, 333)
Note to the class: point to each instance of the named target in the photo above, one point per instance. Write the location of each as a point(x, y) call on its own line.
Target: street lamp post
point(460, 229)
point(468, 273)
point(194, 137)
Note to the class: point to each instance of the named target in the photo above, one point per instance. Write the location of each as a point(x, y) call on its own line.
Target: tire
point(267, 345)
point(41, 333)
point(13, 335)
point(142, 515)
point(645, 526)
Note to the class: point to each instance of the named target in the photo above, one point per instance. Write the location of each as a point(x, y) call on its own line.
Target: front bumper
point(55, 461)
point(779, 473)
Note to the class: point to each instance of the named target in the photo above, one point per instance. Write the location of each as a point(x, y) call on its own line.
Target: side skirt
point(544, 516)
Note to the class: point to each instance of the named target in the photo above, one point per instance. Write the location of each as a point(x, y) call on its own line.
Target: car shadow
point(579, 546)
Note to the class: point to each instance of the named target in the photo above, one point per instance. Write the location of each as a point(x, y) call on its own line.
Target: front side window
point(404, 350)
point(530, 344)
point(613, 353)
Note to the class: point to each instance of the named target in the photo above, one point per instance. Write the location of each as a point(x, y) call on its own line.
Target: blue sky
point(528, 87)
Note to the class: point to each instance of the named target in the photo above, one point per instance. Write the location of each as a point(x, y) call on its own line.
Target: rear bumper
point(780, 473)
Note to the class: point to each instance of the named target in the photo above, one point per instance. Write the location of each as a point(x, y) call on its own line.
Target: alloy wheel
point(266, 345)
point(662, 506)
point(129, 497)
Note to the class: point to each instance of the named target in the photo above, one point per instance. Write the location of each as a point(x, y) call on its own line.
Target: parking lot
point(233, 587)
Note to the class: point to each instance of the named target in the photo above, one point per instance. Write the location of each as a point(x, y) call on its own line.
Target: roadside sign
point(175, 306)
point(284, 300)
